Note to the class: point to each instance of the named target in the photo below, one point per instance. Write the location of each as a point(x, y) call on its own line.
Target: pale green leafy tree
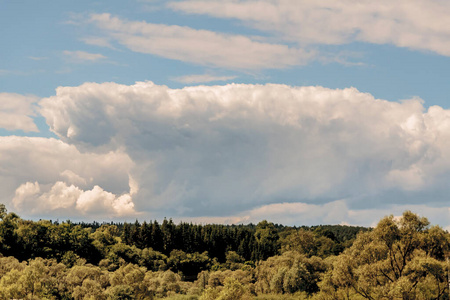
point(400, 259)
point(289, 273)
point(132, 276)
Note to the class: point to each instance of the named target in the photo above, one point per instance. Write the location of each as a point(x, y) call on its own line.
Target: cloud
point(220, 150)
point(28, 197)
point(37, 58)
point(98, 41)
point(99, 201)
point(4, 72)
point(47, 174)
point(201, 47)
point(16, 112)
point(335, 212)
point(71, 201)
point(189, 79)
point(420, 25)
point(81, 56)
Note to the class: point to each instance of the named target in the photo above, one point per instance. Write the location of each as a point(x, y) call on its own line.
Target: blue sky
point(298, 112)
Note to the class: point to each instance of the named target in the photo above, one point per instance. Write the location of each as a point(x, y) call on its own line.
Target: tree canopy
point(401, 258)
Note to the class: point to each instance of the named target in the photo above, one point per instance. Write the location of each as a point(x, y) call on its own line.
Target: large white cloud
point(16, 112)
point(221, 150)
point(420, 24)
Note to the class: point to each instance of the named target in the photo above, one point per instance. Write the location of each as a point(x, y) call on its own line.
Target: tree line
point(401, 258)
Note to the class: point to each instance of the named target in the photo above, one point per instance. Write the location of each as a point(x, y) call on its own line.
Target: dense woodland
point(401, 258)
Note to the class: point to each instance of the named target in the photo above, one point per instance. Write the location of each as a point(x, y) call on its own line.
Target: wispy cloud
point(98, 41)
point(418, 24)
point(37, 58)
point(335, 212)
point(4, 72)
point(200, 47)
point(82, 56)
point(201, 78)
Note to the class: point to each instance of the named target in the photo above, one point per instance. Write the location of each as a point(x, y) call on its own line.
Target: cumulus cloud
point(17, 112)
point(99, 201)
point(82, 56)
point(47, 174)
point(71, 201)
point(413, 24)
point(220, 150)
point(201, 47)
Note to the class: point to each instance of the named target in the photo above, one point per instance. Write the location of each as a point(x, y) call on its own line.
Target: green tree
point(189, 264)
point(120, 292)
point(397, 260)
point(3, 211)
point(157, 237)
point(289, 273)
point(9, 242)
point(89, 290)
point(233, 290)
point(267, 243)
point(131, 276)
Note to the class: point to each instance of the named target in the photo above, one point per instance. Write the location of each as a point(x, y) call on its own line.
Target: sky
point(232, 111)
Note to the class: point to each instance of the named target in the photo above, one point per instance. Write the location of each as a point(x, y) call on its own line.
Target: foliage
point(401, 258)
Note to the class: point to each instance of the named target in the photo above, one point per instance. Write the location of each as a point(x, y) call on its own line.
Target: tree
point(160, 284)
point(266, 236)
point(90, 289)
point(145, 237)
point(168, 231)
point(131, 276)
point(37, 280)
point(157, 237)
point(399, 259)
point(126, 234)
point(189, 264)
point(233, 290)
point(121, 292)
point(3, 211)
point(289, 273)
point(136, 234)
point(8, 234)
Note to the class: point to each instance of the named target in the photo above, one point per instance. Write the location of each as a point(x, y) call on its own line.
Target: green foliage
point(37, 280)
point(3, 211)
point(120, 292)
point(396, 260)
point(163, 284)
point(266, 236)
point(402, 258)
point(8, 234)
point(188, 264)
point(289, 273)
point(320, 242)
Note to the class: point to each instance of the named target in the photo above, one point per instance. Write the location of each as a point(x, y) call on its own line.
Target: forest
point(400, 258)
